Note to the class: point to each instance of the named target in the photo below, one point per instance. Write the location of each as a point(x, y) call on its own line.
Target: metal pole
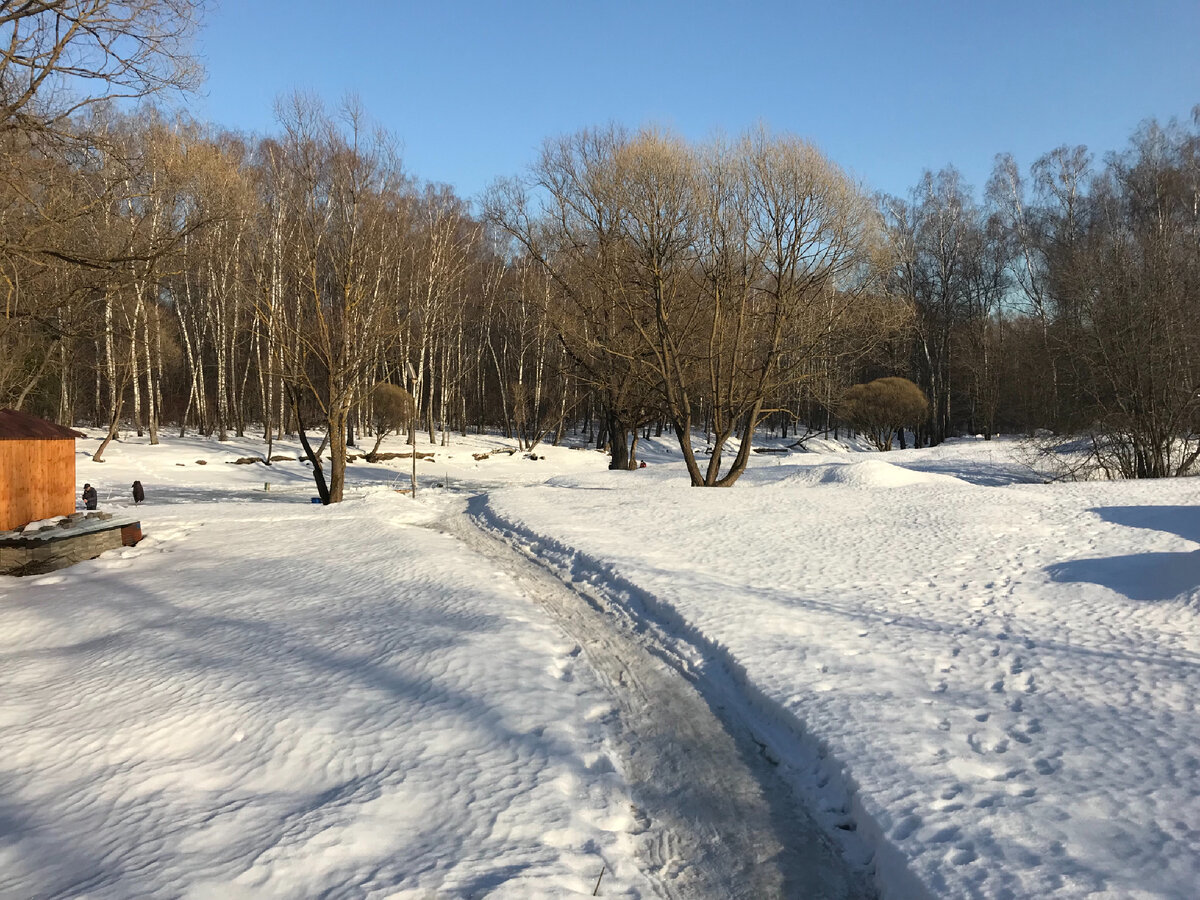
point(412, 382)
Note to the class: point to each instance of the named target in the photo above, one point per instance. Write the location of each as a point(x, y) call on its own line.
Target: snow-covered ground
point(267, 698)
point(1003, 676)
point(984, 686)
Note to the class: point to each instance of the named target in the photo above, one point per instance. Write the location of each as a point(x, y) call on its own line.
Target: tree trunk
point(337, 453)
point(313, 458)
point(113, 426)
point(622, 455)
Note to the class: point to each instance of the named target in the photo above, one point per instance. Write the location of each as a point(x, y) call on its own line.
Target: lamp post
point(412, 428)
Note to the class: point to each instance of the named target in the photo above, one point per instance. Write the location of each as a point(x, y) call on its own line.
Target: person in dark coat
point(89, 497)
point(138, 494)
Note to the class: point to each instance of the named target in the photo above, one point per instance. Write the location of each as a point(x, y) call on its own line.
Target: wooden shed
point(37, 469)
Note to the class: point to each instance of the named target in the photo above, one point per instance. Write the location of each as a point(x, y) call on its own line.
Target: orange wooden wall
point(37, 481)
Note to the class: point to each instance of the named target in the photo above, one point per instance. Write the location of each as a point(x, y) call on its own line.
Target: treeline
point(159, 272)
point(213, 282)
point(1066, 300)
point(730, 284)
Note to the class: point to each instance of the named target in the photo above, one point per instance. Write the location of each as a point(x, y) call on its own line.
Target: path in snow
point(718, 820)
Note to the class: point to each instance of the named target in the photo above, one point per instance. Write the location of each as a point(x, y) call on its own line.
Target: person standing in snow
point(138, 494)
point(89, 497)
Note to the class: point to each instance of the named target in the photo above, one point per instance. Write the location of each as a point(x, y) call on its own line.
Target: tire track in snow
point(716, 819)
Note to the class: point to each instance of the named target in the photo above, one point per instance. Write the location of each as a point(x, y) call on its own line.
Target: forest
point(159, 273)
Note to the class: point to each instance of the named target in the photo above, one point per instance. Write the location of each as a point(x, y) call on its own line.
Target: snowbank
point(867, 474)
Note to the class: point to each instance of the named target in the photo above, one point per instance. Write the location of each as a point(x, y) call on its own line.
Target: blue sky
point(887, 89)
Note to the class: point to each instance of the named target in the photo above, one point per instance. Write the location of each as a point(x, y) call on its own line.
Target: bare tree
point(709, 277)
point(566, 218)
point(347, 196)
point(59, 57)
point(931, 239)
point(1129, 276)
point(799, 254)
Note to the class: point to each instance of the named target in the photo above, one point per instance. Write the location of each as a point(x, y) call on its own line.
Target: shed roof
point(19, 426)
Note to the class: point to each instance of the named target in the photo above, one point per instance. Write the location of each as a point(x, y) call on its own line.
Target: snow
point(982, 685)
point(866, 473)
point(31, 527)
point(1002, 678)
point(267, 698)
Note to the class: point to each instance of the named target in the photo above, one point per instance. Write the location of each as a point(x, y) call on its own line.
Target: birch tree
point(346, 194)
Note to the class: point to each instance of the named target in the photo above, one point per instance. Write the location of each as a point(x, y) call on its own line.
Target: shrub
point(880, 407)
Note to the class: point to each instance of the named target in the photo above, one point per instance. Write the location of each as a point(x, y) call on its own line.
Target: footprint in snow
point(641, 821)
point(905, 827)
point(960, 856)
point(1050, 764)
point(944, 835)
point(1021, 737)
point(598, 764)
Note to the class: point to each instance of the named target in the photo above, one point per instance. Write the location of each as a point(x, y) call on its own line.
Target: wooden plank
point(37, 481)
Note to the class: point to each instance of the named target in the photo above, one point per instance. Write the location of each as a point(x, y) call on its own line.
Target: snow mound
point(870, 473)
point(824, 445)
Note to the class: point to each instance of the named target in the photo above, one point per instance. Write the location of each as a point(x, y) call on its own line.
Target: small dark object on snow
point(89, 497)
point(138, 494)
point(642, 464)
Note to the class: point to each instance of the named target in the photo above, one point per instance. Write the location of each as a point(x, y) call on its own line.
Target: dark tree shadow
point(1142, 576)
point(984, 474)
point(1181, 520)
